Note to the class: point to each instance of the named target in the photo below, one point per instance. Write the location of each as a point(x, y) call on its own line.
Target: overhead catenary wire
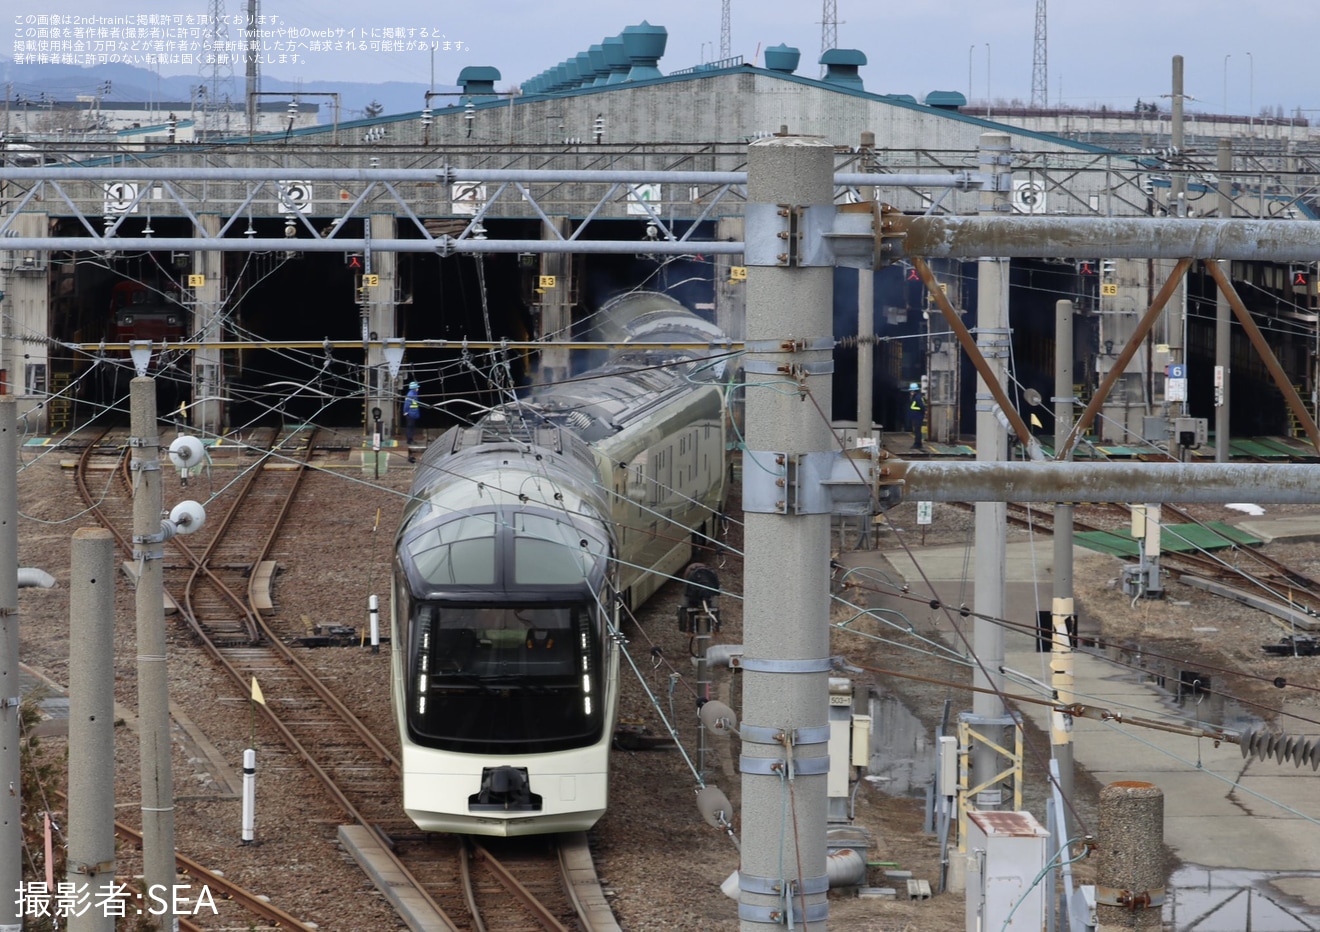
point(272, 408)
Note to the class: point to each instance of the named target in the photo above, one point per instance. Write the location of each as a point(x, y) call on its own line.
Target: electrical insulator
point(426, 117)
point(1263, 745)
point(470, 111)
point(700, 613)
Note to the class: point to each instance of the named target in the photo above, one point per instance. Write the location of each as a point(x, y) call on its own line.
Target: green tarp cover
point(1175, 538)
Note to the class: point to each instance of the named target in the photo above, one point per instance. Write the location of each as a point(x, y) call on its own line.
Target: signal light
point(353, 260)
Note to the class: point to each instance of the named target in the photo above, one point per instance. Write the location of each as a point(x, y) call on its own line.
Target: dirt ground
point(661, 862)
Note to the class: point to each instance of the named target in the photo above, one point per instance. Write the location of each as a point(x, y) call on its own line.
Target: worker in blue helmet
point(916, 413)
point(412, 413)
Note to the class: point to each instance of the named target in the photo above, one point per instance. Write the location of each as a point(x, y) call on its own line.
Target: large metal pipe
point(960, 179)
point(1111, 237)
point(845, 868)
point(444, 245)
point(1109, 482)
point(32, 578)
point(931, 237)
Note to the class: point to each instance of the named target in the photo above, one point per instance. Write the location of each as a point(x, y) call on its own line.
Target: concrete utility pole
point(866, 316)
point(208, 388)
point(994, 339)
point(1177, 312)
point(1223, 315)
point(786, 666)
point(1063, 613)
point(11, 826)
point(1130, 864)
point(252, 62)
point(153, 682)
point(91, 723)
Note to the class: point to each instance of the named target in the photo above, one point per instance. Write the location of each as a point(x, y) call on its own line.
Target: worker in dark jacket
point(412, 411)
point(916, 413)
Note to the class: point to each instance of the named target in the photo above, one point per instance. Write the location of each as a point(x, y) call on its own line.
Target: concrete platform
point(1292, 527)
point(1263, 829)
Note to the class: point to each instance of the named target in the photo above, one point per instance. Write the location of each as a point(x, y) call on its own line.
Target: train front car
point(504, 674)
point(523, 534)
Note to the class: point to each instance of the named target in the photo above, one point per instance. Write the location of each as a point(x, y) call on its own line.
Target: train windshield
point(505, 679)
point(514, 549)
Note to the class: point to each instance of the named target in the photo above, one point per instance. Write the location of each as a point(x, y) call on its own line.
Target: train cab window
point(504, 678)
point(459, 552)
point(549, 551)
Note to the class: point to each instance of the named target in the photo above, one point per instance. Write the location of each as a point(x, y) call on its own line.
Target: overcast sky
point(1240, 54)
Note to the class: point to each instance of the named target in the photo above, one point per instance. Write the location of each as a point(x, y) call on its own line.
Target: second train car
point(524, 534)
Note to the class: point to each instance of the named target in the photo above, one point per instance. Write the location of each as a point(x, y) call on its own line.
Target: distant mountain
point(128, 83)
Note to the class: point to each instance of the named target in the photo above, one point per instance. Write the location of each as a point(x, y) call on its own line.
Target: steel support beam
point(1212, 483)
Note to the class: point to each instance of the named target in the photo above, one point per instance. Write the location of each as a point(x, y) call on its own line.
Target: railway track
point(1292, 589)
point(518, 885)
point(211, 582)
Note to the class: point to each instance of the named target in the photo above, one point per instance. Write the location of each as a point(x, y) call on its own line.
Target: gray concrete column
point(1224, 313)
point(91, 830)
point(866, 316)
point(1124, 409)
point(786, 615)
point(556, 307)
point(1175, 314)
point(27, 361)
point(207, 411)
point(1061, 660)
point(11, 827)
point(730, 292)
point(1130, 868)
point(994, 340)
point(944, 358)
point(153, 687)
point(382, 320)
